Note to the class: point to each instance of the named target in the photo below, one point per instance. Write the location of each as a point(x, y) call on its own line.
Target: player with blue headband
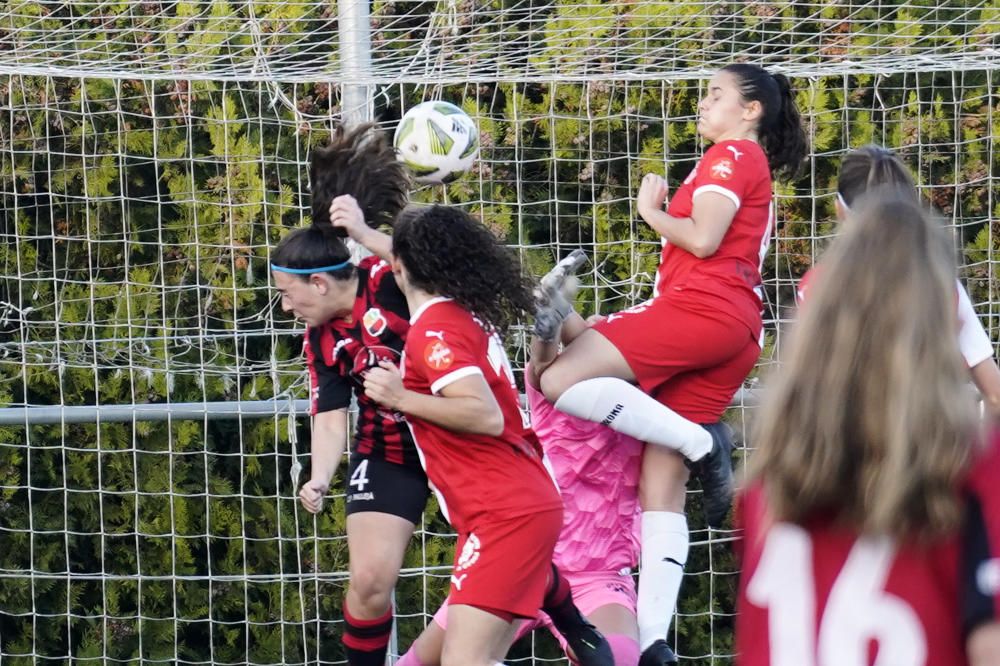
point(356, 317)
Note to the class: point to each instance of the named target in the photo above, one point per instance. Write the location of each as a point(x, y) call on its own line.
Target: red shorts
point(689, 356)
point(591, 591)
point(505, 565)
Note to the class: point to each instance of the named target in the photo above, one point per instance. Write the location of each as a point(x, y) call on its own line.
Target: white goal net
point(151, 152)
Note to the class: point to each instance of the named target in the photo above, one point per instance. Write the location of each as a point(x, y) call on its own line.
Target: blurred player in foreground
point(871, 514)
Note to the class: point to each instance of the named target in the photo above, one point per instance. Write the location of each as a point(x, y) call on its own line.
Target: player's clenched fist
point(347, 215)
point(384, 385)
point(652, 194)
point(311, 494)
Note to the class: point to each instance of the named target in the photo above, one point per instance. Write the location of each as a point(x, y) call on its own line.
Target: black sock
point(558, 602)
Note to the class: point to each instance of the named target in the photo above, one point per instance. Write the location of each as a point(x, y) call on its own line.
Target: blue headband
point(310, 271)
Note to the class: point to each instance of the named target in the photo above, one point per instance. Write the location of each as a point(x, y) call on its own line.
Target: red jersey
point(473, 475)
point(730, 278)
point(341, 351)
point(818, 595)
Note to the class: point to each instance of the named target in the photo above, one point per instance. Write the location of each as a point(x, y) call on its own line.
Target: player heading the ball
point(871, 516)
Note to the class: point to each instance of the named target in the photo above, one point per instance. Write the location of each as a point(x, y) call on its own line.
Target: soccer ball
point(437, 141)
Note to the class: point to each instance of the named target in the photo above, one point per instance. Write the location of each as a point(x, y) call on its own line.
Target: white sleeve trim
point(973, 341)
point(719, 189)
point(454, 376)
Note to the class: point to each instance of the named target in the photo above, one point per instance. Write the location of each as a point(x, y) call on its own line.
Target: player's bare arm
point(328, 441)
point(702, 233)
point(543, 353)
point(347, 215)
point(465, 405)
point(986, 377)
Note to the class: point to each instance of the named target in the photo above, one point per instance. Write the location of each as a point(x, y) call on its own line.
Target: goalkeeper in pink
point(597, 470)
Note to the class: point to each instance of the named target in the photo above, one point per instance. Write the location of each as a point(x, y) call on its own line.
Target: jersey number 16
point(858, 610)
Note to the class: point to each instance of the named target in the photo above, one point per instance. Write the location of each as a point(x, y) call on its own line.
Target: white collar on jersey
point(433, 301)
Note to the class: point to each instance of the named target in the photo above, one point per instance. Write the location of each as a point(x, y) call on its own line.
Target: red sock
point(366, 641)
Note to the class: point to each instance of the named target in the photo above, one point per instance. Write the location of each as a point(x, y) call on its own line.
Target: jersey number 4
point(858, 610)
point(360, 476)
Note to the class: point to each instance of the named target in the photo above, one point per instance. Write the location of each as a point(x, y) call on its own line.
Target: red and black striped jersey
point(340, 352)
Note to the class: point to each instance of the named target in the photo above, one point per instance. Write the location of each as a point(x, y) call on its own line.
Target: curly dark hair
point(448, 253)
point(360, 162)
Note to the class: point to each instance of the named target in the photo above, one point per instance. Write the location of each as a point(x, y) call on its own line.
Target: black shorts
point(374, 484)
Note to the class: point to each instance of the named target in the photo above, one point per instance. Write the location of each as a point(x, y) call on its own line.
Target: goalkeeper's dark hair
point(360, 162)
point(448, 253)
point(780, 130)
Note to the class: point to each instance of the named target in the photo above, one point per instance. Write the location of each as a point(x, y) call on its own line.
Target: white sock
point(626, 408)
point(664, 553)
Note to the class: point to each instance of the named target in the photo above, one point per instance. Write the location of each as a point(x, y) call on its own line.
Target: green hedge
point(137, 214)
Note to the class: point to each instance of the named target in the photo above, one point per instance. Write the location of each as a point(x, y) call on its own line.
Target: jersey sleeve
point(328, 389)
point(445, 350)
point(972, 338)
point(728, 170)
point(387, 291)
point(980, 572)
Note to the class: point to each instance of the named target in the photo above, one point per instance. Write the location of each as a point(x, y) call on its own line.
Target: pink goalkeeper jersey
point(598, 474)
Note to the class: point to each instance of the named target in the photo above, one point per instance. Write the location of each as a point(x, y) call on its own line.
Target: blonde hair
point(868, 421)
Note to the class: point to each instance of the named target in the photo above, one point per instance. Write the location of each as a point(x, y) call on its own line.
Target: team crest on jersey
point(470, 553)
point(438, 355)
point(722, 168)
point(374, 322)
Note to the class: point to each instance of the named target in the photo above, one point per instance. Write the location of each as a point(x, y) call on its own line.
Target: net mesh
point(151, 152)
point(486, 40)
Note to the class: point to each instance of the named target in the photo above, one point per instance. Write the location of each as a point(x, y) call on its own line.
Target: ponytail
point(780, 129)
point(360, 162)
point(871, 167)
